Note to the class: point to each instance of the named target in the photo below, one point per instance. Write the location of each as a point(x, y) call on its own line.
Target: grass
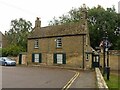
point(114, 82)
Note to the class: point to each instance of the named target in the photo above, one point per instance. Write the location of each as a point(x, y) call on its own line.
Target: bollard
point(108, 72)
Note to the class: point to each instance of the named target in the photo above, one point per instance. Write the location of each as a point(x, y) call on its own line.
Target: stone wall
point(3, 40)
point(114, 52)
point(71, 45)
point(114, 61)
point(24, 59)
point(100, 80)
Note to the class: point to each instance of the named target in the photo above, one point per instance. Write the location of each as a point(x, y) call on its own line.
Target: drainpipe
point(83, 53)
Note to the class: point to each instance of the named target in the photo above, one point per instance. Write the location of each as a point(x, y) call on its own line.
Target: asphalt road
point(86, 79)
point(35, 77)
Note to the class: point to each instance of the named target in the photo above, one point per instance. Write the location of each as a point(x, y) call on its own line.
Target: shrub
point(12, 50)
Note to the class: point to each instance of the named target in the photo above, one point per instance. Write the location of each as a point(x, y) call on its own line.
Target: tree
point(18, 33)
point(72, 16)
point(100, 21)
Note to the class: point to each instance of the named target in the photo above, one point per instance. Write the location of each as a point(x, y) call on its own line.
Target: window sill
point(36, 47)
point(58, 47)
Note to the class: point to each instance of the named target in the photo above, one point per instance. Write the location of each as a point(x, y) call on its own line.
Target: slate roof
point(58, 30)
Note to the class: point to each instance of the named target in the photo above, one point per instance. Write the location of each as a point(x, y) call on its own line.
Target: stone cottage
point(63, 45)
point(3, 40)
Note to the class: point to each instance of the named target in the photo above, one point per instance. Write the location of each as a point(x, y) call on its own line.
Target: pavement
point(86, 80)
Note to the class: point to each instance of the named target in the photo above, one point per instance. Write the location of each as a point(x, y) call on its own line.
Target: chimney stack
point(38, 22)
point(83, 12)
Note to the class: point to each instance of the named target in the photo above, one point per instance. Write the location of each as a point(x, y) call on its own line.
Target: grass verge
point(114, 82)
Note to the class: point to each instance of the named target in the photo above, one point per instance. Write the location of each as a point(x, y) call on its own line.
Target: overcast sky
point(45, 9)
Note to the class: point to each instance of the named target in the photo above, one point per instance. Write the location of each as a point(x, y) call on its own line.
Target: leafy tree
point(72, 16)
point(17, 35)
point(100, 22)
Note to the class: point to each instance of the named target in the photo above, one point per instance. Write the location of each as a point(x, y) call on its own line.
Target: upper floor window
point(59, 42)
point(36, 43)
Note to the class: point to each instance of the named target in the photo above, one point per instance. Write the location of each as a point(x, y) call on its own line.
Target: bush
point(12, 50)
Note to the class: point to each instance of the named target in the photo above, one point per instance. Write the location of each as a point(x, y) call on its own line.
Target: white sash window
point(36, 43)
point(59, 42)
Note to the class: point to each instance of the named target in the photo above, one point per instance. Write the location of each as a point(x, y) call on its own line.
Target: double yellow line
point(70, 81)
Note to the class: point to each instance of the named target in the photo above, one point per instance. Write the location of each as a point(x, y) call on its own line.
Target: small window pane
point(36, 44)
point(36, 57)
point(59, 42)
point(59, 58)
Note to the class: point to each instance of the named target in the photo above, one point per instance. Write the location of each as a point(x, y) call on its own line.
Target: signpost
point(106, 45)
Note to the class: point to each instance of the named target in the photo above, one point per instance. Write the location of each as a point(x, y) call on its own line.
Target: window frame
point(59, 57)
point(56, 61)
point(36, 58)
point(59, 42)
point(36, 43)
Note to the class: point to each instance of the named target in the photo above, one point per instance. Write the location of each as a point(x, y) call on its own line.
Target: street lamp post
point(107, 50)
point(106, 45)
point(104, 58)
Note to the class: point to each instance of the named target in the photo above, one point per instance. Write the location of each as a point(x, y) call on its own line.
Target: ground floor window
point(60, 58)
point(36, 57)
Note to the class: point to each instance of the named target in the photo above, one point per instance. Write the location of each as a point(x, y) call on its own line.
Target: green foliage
point(100, 21)
point(17, 35)
point(0, 50)
point(72, 16)
point(12, 50)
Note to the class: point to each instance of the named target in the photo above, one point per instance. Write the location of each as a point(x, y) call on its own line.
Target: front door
point(95, 60)
point(20, 58)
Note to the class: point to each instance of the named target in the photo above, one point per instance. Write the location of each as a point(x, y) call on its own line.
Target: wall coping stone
point(100, 80)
